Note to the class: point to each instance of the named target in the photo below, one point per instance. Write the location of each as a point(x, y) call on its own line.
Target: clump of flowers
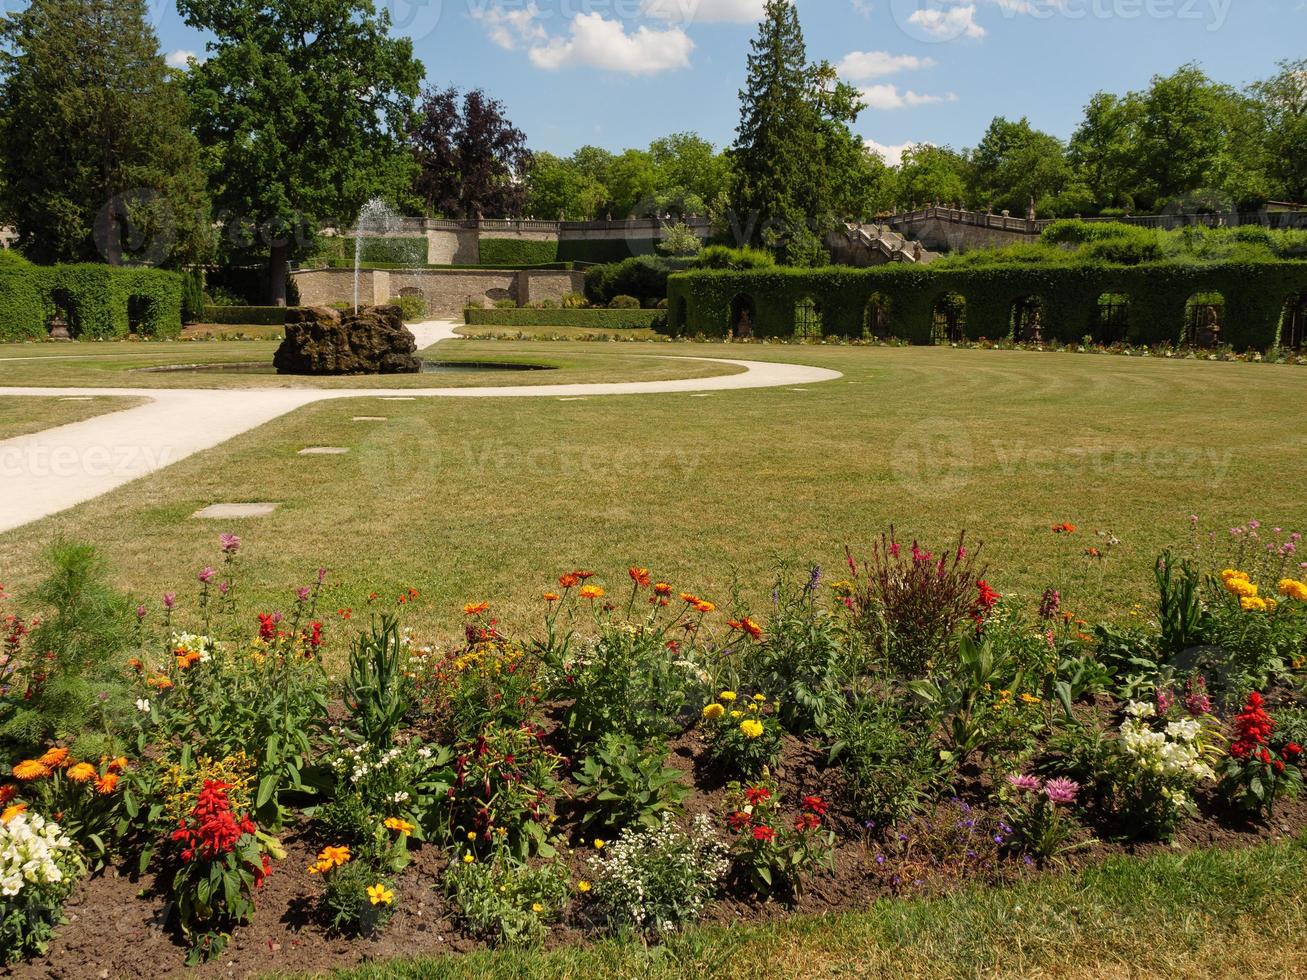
point(223, 860)
point(357, 899)
point(1157, 766)
point(655, 881)
point(504, 789)
point(1257, 771)
point(507, 903)
point(1037, 813)
point(777, 853)
point(743, 733)
point(39, 866)
point(85, 796)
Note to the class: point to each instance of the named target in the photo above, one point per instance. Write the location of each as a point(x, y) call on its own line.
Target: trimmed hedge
point(594, 319)
point(401, 251)
point(516, 252)
point(1255, 293)
point(603, 250)
point(101, 301)
point(266, 316)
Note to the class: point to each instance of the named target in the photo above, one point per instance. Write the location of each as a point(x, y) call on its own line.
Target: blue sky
point(618, 73)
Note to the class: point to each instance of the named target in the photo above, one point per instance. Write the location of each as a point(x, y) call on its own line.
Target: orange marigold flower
point(746, 625)
point(475, 608)
point(569, 581)
point(188, 659)
point(136, 665)
point(662, 589)
point(583, 575)
point(552, 597)
point(107, 784)
point(30, 769)
point(704, 606)
point(54, 758)
point(119, 764)
point(162, 683)
point(12, 811)
point(689, 598)
point(83, 772)
point(399, 826)
point(640, 576)
point(592, 592)
point(1065, 528)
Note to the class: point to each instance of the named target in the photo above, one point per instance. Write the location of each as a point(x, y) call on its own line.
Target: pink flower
point(140, 612)
point(169, 600)
point(302, 593)
point(1024, 784)
point(1061, 791)
point(206, 575)
point(322, 575)
point(230, 543)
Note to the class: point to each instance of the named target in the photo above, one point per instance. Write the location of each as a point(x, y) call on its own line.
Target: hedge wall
point(1255, 293)
point(271, 316)
point(602, 250)
point(100, 301)
point(516, 252)
point(593, 319)
point(402, 251)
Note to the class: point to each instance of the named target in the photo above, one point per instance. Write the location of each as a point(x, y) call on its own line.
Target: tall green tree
point(774, 145)
point(1181, 134)
point(96, 158)
point(1015, 164)
point(304, 107)
point(1102, 150)
point(1283, 103)
point(928, 174)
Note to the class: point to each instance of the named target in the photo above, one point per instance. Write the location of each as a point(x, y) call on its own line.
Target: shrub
point(517, 252)
point(272, 316)
point(503, 796)
point(890, 770)
point(775, 853)
point(724, 257)
point(39, 868)
point(506, 903)
point(591, 319)
point(623, 784)
point(99, 301)
point(679, 240)
point(743, 734)
point(645, 278)
point(655, 881)
point(624, 303)
point(413, 308)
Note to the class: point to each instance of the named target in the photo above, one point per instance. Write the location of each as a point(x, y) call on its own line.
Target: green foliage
point(98, 301)
point(378, 692)
point(517, 253)
point(349, 908)
point(506, 903)
point(624, 303)
point(72, 658)
point(272, 316)
point(97, 160)
point(623, 783)
point(742, 734)
point(594, 319)
point(192, 295)
point(412, 307)
point(602, 251)
point(724, 257)
point(505, 790)
point(679, 240)
point(1255, 292)
point(645, 278)
point(891, 771)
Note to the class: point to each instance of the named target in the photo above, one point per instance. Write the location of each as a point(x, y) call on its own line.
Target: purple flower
point(1061, 791)
point(140, 612)
point(206, 575)
point(1050, 604)
point(224, 588)
point(1023, 783)
point(322, 575)
point(814, 578)
point(303, 593)
point(230, 543)
point(169, 600)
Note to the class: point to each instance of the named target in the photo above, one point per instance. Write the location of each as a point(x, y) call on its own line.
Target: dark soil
point(119, 927)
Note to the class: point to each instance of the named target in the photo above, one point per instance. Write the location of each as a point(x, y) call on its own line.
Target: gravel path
point(47, 472)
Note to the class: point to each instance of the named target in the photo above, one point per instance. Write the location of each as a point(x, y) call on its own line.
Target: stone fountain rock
point(320, 340)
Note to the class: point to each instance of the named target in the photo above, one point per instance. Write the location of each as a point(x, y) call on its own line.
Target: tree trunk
point(277, 275)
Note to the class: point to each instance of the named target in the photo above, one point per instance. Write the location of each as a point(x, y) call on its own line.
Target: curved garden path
point(47, 472)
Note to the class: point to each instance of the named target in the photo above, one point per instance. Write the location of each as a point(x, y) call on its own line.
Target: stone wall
point(8, 236)
point(446, 291)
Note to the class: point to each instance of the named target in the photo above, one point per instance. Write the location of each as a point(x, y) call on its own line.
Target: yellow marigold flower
point(751, 727)
point(330, 857)
point(468, 858)
point(599, 845)
point(537, 908)
point(1293, 589)
point(760, 698)
point(12, 811)
point(402, 826)
point(592, 592)
point(1252, 604)
point(83, 772)
point(737, 714)
point(1030, 699)
point(713, 711)
point(726, 696)
point(30, 769)
point(583, 886)
point(379, 894)
point(471, 835)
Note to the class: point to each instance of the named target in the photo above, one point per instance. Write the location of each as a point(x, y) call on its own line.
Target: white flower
point(143, 705)
point(1140, 709)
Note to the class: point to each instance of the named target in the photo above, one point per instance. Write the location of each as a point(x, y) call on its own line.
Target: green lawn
point(128, 364)
point(1206, 914)
point(626, 334)
point(490, 498)
point(20, 415)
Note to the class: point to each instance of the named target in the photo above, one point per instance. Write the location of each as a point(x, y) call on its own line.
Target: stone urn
point(59, 327)
point(324, 341)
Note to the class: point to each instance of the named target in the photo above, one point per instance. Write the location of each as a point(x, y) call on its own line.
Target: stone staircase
point(873, 244)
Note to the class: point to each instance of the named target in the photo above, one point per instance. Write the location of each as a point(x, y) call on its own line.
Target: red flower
point(757, 795)
point(268, 626)
point(807, 821)
point(764, 833)
point(816, 804)
point(1252, 727)
point(1292, 749)
point(739, 820)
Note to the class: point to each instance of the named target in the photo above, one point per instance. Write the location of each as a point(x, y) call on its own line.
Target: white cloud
point(704, 11)
point(889, 97)
point(863, 7)
point(891, 153)
point(861, 65)
point(511, 29)
point(948, 24)
point(180, 58)
point(597, 42)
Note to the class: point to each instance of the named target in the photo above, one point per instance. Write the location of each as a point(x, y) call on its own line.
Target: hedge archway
point(1293, 325)
point(1026, 319)
point(1111, 318)
point(744, 314)
point(876, 321)
point(807, 319)
point(1204, 320)
point(949, 318)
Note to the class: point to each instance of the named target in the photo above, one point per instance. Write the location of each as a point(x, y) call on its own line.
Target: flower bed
point(646, 759)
